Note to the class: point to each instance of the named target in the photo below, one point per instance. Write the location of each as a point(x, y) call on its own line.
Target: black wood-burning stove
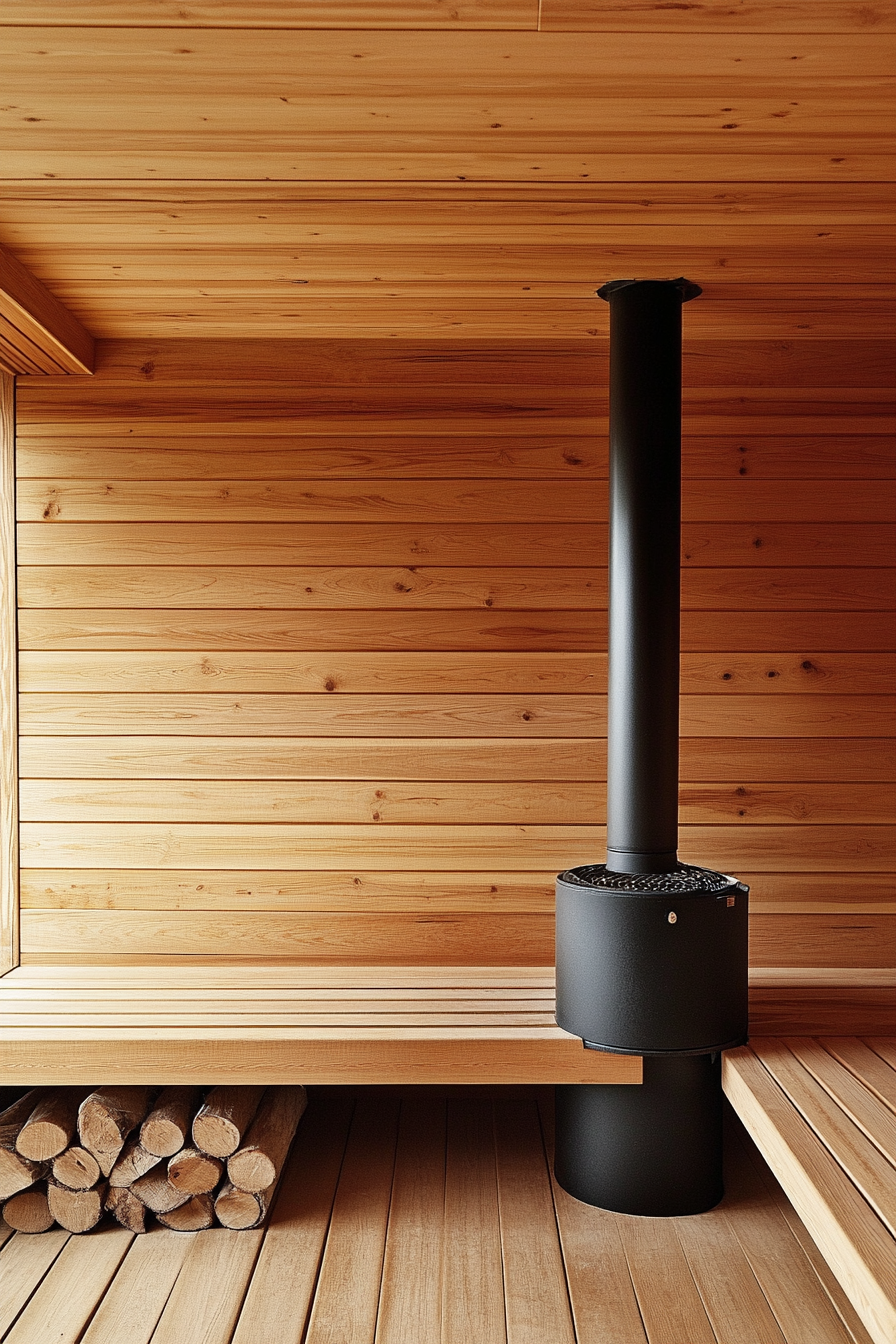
point(651, 953)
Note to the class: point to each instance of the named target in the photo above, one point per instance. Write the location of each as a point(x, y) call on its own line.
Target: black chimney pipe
point(651, 953)
point(645, 572)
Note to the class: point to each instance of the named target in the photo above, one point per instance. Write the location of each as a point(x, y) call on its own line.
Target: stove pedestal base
point(654, 1150)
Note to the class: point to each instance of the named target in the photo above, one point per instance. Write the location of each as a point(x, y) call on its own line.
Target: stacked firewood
point(189, 1158)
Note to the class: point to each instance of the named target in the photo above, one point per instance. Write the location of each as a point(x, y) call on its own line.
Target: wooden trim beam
point(38, 334)
point(9, 784)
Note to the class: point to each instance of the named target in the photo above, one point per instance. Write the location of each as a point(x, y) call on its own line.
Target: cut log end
point(167, 1127)
point(223, 1119)
point(241, 1209)
point(76, 1210)
point(76, 1168)
point(29, 1211)
point(258, 1163)
point(108, 1115)
point(197, 1214)
point(50, 1127)
point(195, 1172)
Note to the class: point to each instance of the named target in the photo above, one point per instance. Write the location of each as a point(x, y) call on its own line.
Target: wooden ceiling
point(464, 169)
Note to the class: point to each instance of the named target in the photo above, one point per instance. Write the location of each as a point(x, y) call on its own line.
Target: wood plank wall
point(313, 646)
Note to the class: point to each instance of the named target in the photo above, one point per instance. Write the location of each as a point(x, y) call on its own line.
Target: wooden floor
point(428, 1216)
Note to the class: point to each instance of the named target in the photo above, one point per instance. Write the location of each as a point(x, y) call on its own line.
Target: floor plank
point(67, 1296)
point(411, 1293)
point(23, 1264)
point(431, 1215)
point(472, 1282)
point(347, 1298)
point(803, 1312)
point(670, 1304)
point(604, 1305)
point(137, 1295)
point(537, 1299)
point(734, 1302)
point(207, 1296)
point(282, 1287)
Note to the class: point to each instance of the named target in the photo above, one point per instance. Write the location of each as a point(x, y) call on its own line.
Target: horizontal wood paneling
point(443, 457)
point(709, 758)
point(760, 16)
point(390, 616)
point(435, 848)
point(518, 14)
point(421, 502)
point(437, 804)
point(759, 543)
point(710, 358)
point(562, 631)
point(409, 715)
point(400, 891)
point(519, 588)
point(772, 674)
point(523, 940)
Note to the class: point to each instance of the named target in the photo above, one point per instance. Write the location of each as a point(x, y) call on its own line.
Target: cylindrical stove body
point(651, 953)
point(652, 972)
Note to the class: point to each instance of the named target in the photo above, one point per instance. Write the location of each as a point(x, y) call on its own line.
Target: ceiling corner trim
point(38, 334)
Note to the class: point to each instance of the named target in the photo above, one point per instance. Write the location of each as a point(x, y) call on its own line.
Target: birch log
point(29, 1211)
point(17, 1172)
point(257, 1164)
point(167, 1127)
point(197, 1214)
point(195, 1172)
point(133, 1163)
point(126, 1208)
point(223, 1119)
point(76, 1168)
point(76, 1210)
point(51, 1126)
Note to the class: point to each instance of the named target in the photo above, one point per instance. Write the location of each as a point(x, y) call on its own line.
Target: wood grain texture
point(852, 1239)
point(479, 631)
point(777, 760)
point(569, 456)
point(49, 671)
point(526, 589)
point(402, 891)
point(408, 715)
point(9, 783)
point(414, 1254)
point(344, 801)
point(74, 1285)
point(352, 14)
point(431, 938)
point(708, 544)
point(420, 502)
point(297, 1226)
point(39, 334)
point(762, 16)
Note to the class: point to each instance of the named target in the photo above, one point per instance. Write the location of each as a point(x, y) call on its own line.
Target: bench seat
point(823, 1114)
point(285, 1024)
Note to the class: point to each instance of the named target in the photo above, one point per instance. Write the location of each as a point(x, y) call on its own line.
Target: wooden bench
point(244, 1024)
point(823, 1114)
